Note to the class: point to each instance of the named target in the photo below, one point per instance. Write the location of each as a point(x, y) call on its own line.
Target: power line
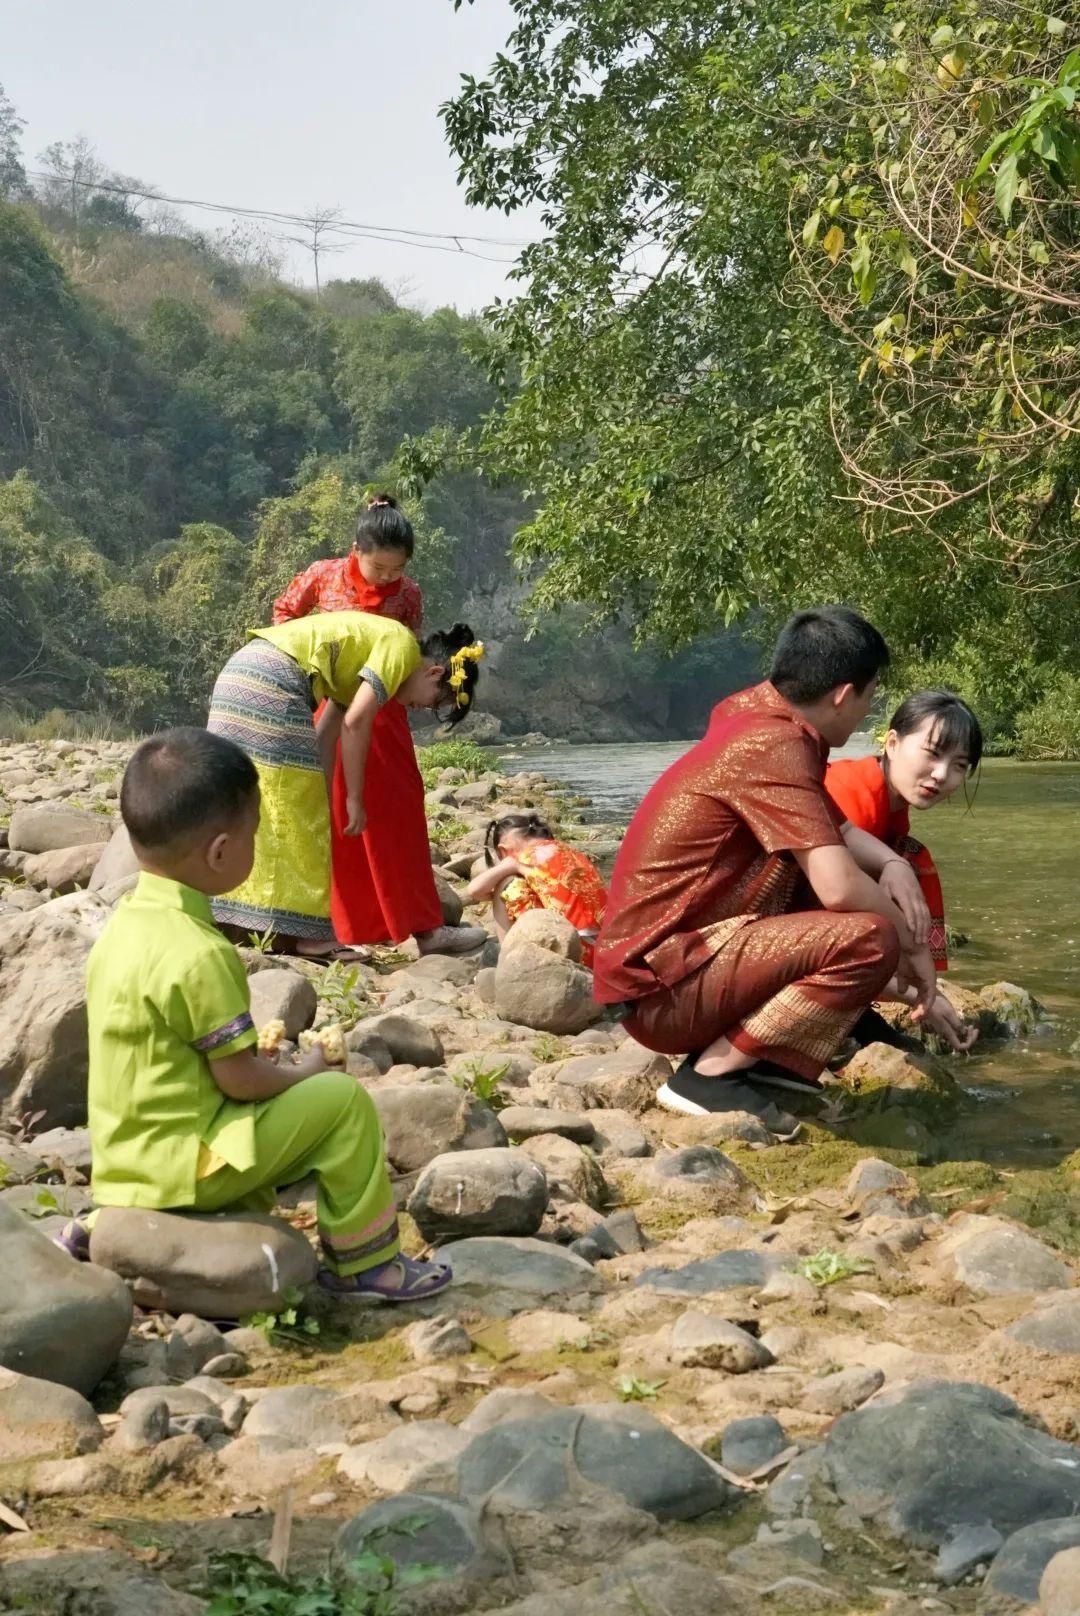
point(398, 235)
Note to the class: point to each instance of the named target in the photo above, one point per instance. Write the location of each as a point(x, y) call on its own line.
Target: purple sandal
point(74, 1238)
point(403, 1279)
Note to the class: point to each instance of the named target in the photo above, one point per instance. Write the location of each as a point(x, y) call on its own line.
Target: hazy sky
point(269, 104)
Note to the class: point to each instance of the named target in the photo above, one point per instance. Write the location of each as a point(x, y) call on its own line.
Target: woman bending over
point(354, 664)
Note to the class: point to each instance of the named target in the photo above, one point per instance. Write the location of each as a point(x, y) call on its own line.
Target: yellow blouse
point(342, 650)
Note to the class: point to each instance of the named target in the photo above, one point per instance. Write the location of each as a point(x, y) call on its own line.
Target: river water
point(1006, 863)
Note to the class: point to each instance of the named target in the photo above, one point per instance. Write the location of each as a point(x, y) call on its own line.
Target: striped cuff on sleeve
point(224, 1035)
point(369, 676)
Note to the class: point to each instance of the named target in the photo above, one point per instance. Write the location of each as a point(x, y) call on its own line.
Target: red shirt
point(709, 849)
point(338, 585)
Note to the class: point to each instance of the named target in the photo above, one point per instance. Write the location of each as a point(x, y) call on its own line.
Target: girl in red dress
point(529, 869)
point(382, 886)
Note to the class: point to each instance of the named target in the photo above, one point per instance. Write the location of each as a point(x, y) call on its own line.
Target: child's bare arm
point(491, 881)
point(251, 1076)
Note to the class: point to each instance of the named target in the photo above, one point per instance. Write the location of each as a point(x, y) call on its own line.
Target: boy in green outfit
point(185, 1114)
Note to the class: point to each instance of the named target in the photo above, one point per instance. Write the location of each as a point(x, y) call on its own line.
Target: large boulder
point(46, 827)
point(424, 1120)
point(934, 1456)
point(623, 1079)
point(544, 929)
point(219, 1265)
point(59, 1320)
point(539, 989)
point(479, 1192)
point(65, 870)
point(43, 1037)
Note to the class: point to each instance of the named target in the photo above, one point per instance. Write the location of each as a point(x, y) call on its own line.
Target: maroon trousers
point(786, 988)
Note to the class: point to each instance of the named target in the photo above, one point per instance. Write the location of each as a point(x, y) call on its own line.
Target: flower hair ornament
point(459, 673)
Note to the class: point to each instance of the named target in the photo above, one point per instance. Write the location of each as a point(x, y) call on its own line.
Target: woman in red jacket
point(933, 746)
point(382, 886)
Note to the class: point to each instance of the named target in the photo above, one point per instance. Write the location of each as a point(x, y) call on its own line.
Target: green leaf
point(942, 38)
point(1055, 26)
point(907, 261)
point(810, 228)
point(1006, 186)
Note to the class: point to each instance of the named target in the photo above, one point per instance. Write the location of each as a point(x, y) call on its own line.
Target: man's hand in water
point(900, 883)
point(948, 1024)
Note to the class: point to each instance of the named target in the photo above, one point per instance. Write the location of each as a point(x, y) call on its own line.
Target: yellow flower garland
point(459, 672)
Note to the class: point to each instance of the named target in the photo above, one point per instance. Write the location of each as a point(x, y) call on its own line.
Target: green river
point(1010, 884)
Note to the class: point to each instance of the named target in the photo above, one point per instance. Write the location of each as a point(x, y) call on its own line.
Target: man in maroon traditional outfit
point(748, 922)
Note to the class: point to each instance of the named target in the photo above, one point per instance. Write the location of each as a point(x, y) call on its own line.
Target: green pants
point(328, 1126)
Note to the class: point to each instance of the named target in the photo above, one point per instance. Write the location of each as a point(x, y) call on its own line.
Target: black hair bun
point(458, 636)
point(382, 499)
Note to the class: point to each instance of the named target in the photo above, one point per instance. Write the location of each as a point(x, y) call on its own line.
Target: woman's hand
point(355, 817)
point(945, 1021)
point(900, 883)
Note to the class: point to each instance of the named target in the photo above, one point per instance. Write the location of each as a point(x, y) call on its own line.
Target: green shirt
point(339, 650)
point(164, 991)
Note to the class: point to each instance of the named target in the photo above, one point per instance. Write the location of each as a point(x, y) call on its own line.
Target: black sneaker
point(691, 1095)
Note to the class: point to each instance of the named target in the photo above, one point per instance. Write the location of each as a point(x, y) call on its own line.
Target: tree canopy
point(802, 322)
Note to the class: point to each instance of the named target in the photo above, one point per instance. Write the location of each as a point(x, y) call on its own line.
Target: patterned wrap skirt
point(262, 701)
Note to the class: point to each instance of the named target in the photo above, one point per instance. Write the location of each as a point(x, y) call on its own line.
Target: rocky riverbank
point(762, 1363)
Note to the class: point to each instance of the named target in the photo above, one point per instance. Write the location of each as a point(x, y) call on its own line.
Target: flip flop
point(341, 954)
point(418, 1280)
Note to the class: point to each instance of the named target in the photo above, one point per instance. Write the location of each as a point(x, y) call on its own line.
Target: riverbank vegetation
point(181, 431)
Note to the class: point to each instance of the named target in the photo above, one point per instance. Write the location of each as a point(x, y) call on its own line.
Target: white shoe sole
point(668, 1100)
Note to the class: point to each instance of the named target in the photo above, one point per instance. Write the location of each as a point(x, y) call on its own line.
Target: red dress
point(560, 878)
point(382, 888)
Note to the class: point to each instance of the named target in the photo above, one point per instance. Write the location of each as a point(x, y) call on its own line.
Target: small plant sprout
point(548, 1048)
point(285, 1327)
point(482, 1082)
point(631, 1389)
point(829, 1267)
point(340, 990)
